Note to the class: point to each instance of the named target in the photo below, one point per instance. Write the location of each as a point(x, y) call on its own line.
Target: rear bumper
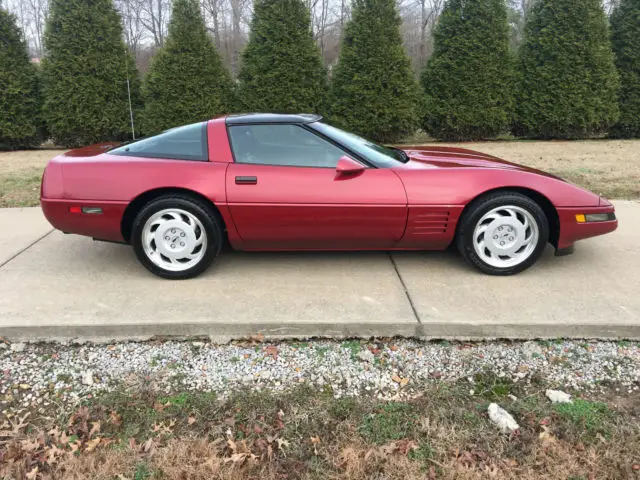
point(104, 226)
point(571, 230)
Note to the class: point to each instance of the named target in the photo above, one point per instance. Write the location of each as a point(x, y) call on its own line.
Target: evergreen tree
point(85, 69)
point(567, 86)
point(187, 81)
point(468, 81)
point(374, 92)
point(20, 100)
point(625, 30)
point(281, 69)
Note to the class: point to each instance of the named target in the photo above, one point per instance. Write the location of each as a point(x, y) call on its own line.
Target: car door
point(283, 192)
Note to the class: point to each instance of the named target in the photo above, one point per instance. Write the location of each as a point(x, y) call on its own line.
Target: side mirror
point(348, 166)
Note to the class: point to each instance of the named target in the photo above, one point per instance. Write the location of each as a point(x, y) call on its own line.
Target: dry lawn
point(608, 167)
point(443, 433)
point(20, 176)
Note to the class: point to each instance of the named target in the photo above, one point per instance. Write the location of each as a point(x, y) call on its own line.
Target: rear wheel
point(176, 236)
point(503, 233)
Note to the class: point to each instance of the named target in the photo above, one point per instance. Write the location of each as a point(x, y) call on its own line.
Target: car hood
point(452, 157)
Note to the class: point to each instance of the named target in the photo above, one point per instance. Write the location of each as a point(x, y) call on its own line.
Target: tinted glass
point(379, 155)
point(182, 143)
point(284, 145)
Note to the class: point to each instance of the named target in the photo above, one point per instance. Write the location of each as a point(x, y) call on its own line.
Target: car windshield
point(381, 156)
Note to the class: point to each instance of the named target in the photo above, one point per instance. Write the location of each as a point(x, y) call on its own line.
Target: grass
point(589, 417)
point(607, 167)
point(20, 189)
point(443, 432)
point(392, 421)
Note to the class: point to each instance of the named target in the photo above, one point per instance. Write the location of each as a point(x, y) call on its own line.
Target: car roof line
point(271, 118)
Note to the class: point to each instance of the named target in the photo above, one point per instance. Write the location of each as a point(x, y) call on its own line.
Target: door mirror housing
point(348, 166)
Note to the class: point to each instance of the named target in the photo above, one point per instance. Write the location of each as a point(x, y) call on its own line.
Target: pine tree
point(187, 81)
point(374, 92)
point(281, 69)
point(567, 86)
point(20, 101)
point(85, 70)
point(469, 79)
point(625, 32)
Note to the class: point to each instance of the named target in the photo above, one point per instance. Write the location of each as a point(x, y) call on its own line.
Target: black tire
point(483, 205)
point(207, 216)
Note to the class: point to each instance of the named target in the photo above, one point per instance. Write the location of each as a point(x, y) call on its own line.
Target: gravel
point(40, 374)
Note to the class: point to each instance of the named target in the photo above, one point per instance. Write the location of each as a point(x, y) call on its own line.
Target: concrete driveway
point(55, 285)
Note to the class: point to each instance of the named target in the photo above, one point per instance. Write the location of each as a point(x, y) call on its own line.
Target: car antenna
point(126, 67)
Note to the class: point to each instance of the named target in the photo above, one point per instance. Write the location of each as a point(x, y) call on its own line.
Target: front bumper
point(571, 230)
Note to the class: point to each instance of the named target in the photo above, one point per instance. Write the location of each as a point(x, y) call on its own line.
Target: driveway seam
point(26, 248)
point(404, 287)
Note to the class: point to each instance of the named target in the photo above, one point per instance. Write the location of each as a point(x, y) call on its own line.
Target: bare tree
point(154, 17)
point(134, 30)
point(31, 15)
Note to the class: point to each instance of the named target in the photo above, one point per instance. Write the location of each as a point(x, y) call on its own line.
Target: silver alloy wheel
point(505, 236)
point(174, 239)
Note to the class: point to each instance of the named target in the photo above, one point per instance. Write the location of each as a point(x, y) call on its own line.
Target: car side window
point(181, 143)
point(282, 145)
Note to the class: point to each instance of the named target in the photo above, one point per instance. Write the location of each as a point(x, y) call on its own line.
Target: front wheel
point(176, 237)
point(503, 233)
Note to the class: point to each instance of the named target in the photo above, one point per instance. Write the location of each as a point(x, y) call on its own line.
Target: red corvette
point(292, 182)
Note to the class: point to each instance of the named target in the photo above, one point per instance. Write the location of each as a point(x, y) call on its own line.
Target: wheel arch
point(144, 198)
point(547, 207)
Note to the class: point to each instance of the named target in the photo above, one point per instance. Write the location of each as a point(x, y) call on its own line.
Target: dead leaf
point(315, 441)
point(232, 445)
point(132, 443)
point(272, 351)
point(636, 467)
point(403, 447)
point(393, 348)
point(546, 436)
point(404, 381)
point(257, 338)
point(95, 428)
point(52, 453)
point(147, 446)
point(92, 444)
point(261, 444)
point(257, 429)
point(396, 378)
point(32, 474)
point(115, 419)
point(191, 420)
point(282, 443)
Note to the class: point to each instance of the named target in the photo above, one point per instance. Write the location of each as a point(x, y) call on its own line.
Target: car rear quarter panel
point(112, 182)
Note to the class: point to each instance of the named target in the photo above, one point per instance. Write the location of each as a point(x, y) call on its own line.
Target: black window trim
point(305, 126)
point(186, 158)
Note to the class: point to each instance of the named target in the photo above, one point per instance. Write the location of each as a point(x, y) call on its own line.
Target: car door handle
point(246, 180)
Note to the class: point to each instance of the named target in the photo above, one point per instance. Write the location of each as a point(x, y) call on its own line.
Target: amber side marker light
point(595, 217)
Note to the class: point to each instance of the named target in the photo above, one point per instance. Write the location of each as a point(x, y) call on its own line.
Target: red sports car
point(292, 182)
